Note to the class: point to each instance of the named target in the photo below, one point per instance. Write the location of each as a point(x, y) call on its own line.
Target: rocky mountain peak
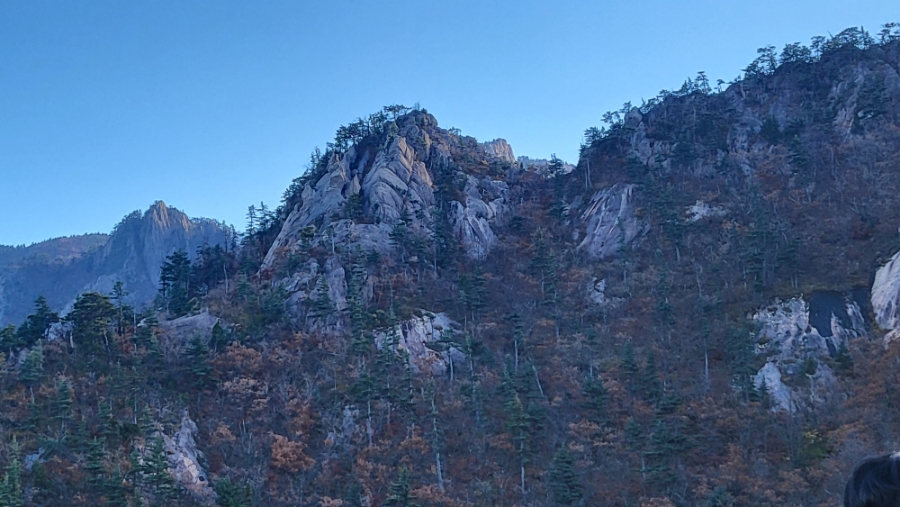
point(500, 149)
point(407, 174)
point(133, 254)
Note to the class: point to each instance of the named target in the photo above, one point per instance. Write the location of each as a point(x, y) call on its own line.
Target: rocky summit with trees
point(701, 311)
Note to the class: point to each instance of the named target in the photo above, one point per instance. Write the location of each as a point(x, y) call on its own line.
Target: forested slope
point(701, 312)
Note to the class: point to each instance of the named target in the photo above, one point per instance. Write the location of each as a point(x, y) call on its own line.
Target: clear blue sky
point(107, 106)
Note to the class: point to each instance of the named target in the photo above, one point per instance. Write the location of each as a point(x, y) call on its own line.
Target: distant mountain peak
point(133, 254)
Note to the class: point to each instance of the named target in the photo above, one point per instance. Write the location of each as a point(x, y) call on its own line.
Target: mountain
point(702, 311)
point(62, 268)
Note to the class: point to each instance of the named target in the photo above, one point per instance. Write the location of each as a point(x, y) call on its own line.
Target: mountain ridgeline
point(61, 269)
point(702, 311)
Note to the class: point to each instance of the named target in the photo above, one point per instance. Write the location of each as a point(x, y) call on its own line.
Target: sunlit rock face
point(500, 149)
point(412, 177)
point(134, 253)
point(394, 180)
point(797, 336)
point(184, 461)
point(486, 201)
point(886, 294)
point(609, 221)
point(426, 340)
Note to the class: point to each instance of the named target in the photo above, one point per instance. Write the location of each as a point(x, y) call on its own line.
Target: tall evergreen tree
point(11, 487)
point(32, 369)
point(175, 283)
point(197, 359)
point(233, 494)
point(91, 317)
point(322, 306)
point(156, 471)
point(36, 324)
point(564, 484)
point(95, 468)
point(399, 492)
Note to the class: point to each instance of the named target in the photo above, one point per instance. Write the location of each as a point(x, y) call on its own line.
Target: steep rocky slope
point(703, 311)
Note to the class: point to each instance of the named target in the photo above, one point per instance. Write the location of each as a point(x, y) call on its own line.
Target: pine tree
point(353, 496)
point(843, 359)
point(360, 344)
point(232, 494)
point(544, 264)
point(11, 494)
point(218, 338)
point(197, 359)
point(596, 397)
point(9, 339)
point(122, 309)
point(156, 471)
point(444, 242)
point(650, 384)
point(629, 363)
point(251, 220)
point(399, 494)
point(36, 324)
point(175, 283)
point(61, 405)
point(90, 318)
point(518, 426)
point(115, 492)
point(94, 467)
point(564, 484)
point(518, 338)
point(322, 306)
point(109, 426)
point(32, 369)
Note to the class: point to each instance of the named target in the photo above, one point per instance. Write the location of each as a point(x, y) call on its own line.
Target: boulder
point(700, 210)
point(184, 328)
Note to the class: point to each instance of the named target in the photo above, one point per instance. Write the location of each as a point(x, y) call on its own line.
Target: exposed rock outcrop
point(700, 210)
point(421, 337)
point(184, 461)
point(402, 182)
point(395, 182)
point(500, 149)
point(886, 294)
point(399, 181)
point(184, 328)
point(486, 201)
point(797, 336)
point(609, 221)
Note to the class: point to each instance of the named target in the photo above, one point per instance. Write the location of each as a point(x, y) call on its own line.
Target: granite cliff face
point(137, 247)
point(799, 338)
point(392, 180)
point(133, 254)
point(388, 193)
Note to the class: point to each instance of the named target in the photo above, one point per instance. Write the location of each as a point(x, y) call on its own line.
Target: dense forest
point(422, 322)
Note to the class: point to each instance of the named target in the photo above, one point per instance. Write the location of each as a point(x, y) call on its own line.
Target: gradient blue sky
point(107, 106)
